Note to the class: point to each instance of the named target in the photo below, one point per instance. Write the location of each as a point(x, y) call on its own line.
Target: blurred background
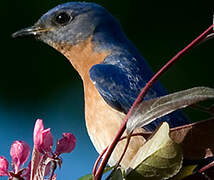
point(38, 82)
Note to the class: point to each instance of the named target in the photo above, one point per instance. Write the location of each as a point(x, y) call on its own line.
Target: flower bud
point(19, 152)
point(3, 166)
point(43, 139)
point(66, 144)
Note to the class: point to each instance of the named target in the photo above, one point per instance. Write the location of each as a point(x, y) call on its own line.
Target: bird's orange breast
point(102, 121)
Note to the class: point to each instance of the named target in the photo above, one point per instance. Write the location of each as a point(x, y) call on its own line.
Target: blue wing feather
point(114, 86)
point(119, 80)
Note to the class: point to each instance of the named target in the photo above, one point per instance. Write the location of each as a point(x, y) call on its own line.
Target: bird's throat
point(82, 55)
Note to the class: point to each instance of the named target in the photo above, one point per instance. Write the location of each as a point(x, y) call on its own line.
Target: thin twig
point(137, 134)
point(140, 97)
point(98, 160)
point(125, 149)
point(54, 166)
point(145, 135)
point(118, 163)
point(207, 167)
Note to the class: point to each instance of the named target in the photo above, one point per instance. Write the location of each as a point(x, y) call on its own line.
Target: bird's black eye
point(63, 18)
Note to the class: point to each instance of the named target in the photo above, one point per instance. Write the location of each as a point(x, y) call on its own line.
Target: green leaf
point(188, 137)
point(150, 110)
point(90, 176)
point(159, 158)
point(87, 177)
point(184, 172)
point(117, 175)
point(107, 169)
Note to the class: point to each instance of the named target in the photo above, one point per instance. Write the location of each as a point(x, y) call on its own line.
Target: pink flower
point(43, 139)
point(3, 166)
point(46, 160)
point(66, 144)
point(19, 152)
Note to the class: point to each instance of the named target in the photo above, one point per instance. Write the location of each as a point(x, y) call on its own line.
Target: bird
point(112, 70)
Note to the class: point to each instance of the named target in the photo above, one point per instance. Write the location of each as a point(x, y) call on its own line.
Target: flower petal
point(43, 139)
point(47, 140)
point(19, 152)
point(38, 128)
point(66, 144)
point(3, 166)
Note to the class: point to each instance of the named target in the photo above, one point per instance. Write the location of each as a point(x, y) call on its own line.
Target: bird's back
point(124, 72)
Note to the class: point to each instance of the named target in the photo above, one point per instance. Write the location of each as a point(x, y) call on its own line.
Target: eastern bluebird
point(112, 70)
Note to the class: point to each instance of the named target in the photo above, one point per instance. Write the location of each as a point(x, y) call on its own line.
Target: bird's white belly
point(103, 122)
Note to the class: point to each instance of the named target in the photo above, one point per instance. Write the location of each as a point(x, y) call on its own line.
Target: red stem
point(140, 97)
point(98, 160)
point(145, 135)
point(206, 167)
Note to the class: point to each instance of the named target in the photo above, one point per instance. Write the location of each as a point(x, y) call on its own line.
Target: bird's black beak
point(33, 30)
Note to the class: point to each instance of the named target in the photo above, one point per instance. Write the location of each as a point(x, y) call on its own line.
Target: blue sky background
point(57, 116)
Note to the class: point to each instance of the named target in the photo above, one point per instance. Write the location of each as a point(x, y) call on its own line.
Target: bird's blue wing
point(119, 86)
point(113, 85)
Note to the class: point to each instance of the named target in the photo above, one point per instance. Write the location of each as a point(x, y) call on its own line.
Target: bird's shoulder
point(119, 79)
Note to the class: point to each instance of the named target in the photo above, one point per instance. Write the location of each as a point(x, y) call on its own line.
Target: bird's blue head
point(68, 23)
